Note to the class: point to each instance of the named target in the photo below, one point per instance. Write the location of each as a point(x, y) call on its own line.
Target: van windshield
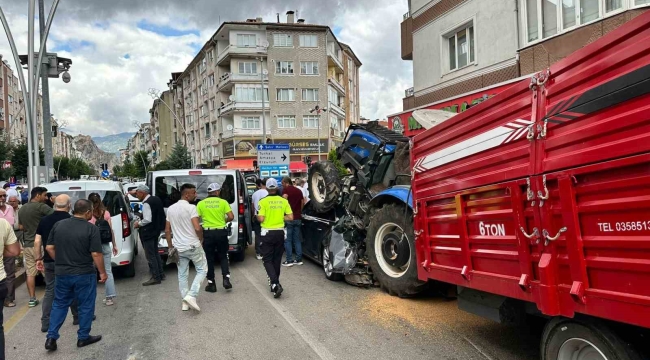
point(167, 188)
point(113, 200)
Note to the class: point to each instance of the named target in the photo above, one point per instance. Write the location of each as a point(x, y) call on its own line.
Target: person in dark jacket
point(150, 227)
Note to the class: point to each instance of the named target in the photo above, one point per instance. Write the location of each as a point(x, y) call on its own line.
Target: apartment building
point(161, 140)
point(257, 75)
point(465, 51)
point(12, 110)
point(141, 141)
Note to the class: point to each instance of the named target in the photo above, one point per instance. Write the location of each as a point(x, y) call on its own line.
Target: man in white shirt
point(257, 196)
point(302, 185)
point(183, 222)
point(8, 247)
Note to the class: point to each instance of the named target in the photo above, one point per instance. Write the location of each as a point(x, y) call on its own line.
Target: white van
point(113, 198)
point(166, 185)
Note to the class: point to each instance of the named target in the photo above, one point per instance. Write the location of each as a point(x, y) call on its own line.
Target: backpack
point(105, 231)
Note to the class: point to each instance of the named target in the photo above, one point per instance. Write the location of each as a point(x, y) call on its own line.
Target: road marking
point(314, 344)
point(22, 311)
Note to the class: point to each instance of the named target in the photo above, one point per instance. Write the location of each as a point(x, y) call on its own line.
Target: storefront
point(405, 123)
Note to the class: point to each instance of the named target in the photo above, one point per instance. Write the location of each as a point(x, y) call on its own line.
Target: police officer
point(215, 213)
point(273, 211)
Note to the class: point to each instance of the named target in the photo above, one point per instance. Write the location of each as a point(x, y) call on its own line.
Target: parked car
point(166, 185)
point(316, 233)
point(112, 196)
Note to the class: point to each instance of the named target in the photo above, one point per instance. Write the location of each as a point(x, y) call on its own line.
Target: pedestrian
point(273, 211)
point(30, 216)
point(150, 228)
point(10, 261)
point(257, 196)
point(7, 212)
point(75, 245)
point(102, 219)
point(293, 241)
point(45, 263)
point(8, 247)
point(215, 213)
point(302, 185)
point(24, 196)
point(183, 221)
point(49, 200)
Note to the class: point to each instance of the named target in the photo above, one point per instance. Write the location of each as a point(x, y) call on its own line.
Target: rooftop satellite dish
point(265, 72)
point(265, 43)
point(231, 97)
point(431, 118)
point(229, 127)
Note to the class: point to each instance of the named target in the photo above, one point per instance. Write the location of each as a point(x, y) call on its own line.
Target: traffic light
point(308, 161)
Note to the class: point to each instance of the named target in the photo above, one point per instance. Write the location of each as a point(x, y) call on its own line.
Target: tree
point(142, 163)
point(5, 154)
point(339, 165)
point(179, 158)
point(20, 160)
point(61, 167)
point(163, 165)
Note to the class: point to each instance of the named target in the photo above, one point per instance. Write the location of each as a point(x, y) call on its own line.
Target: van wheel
point(129, 270)
point(391, 251)
point(588, 339)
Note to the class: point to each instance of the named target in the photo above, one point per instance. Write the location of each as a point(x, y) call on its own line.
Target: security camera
point(66, 77)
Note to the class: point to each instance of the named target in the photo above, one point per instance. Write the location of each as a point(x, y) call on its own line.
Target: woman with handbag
point(102, 219)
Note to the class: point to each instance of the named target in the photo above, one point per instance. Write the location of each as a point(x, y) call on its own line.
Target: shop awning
point(243, 165)
point(297, 167)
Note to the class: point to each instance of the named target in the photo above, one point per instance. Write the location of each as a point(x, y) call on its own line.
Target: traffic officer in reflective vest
point(273, 211)
point(215, 213)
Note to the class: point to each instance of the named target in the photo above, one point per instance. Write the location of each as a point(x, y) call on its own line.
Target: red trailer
point(538, 200)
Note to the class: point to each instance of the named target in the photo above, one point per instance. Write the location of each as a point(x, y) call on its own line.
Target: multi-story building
point(464, 51)
point(140, 141)
point(12, 110)
point(62, 143)
point(163, 128)
point(253, 76)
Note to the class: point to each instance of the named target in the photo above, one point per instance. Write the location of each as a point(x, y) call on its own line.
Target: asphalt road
point(314, 319)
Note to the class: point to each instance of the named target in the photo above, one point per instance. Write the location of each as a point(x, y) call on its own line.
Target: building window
point(284, 67)
point(250, 93)
point(282, 40)
point(247, 67)
point(286, 122)
point(250, 122)
point(204, 65)
point(207, 131)
point(246, 40)
point(10, 99)
point(310, 121)
point(212, 104)
point(334, 96)
point(312, 40)
point(309, 94)
point(285, 95)
point(309, 68)
point(641, 2)
point(460, 47)
point(211, 80)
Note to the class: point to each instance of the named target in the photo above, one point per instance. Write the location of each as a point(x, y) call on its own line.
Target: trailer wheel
point(572, 339)
point(391, 251)
point(324, 186)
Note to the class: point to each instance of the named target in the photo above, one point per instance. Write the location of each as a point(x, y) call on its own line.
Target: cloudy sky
point(121, 48)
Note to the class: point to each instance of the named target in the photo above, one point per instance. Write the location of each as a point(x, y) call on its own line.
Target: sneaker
point(32, 302)
point(297, 262)
point(287, 263)
point(185, 307)
point(226, 282)
point(150, 282)
point(258, 256)
point(191, 301)
point(9, 303)
point(109, 301)
point(211, 287)
point(277, 290)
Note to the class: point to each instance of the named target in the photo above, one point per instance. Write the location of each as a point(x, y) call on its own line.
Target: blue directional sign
point(105, 173)
point(273, 160)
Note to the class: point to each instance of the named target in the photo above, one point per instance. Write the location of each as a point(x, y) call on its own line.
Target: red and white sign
point(6, 164)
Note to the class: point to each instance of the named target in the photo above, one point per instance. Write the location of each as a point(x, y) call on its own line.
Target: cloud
point(121, 48)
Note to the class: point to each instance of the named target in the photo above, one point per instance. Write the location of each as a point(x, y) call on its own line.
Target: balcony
point(334, 61)
point(336, 85)
point(336, 109)
point(227, 80)
point(245, 51)
point(242, 106)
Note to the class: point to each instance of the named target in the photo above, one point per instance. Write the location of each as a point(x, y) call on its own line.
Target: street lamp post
point(318, 111)
point(155, 94)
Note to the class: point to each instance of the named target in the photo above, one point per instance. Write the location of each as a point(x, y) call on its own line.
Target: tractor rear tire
point(324, 186)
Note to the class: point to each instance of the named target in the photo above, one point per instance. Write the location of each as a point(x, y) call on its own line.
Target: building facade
point(12, 110)
point(460, 47)
point(254, 76)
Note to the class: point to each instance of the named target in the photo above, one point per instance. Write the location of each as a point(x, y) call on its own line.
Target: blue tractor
point(369, 211)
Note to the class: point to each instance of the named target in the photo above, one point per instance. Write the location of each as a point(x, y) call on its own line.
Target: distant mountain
point(112, 143)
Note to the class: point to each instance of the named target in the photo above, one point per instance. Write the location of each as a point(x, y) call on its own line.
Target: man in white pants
point(183, 221)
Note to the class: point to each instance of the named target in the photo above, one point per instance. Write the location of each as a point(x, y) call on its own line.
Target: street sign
point(273, 160)
point(105, 173)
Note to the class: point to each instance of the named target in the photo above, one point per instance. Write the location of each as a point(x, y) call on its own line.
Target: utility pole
point(263, 93)
point(47, 124)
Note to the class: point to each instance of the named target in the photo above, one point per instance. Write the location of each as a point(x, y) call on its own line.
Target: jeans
point(216, 241)
point(3, 295)
point(272, 249)
point(48, 298)
point(66, 289)
point(197, 257)
point(150, 247)
point(109, 286)
point(293, 239)
point(10, 269)
point(257, 228)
